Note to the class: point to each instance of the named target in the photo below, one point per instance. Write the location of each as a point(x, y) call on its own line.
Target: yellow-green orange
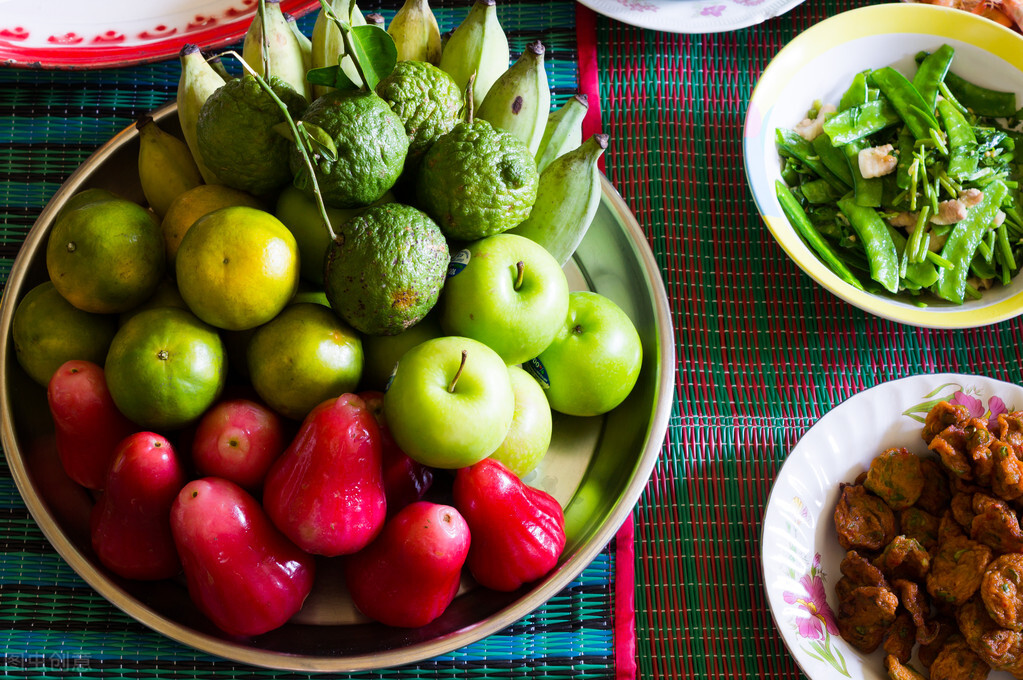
point(237, 267)
point(195, 203)
point(106, 256)
point(165, 367)
point(303, 357)
point(48, 330)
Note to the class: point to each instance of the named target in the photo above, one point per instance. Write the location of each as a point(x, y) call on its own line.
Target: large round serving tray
point(596, 467)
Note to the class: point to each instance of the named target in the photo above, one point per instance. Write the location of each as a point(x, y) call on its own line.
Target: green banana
point(566, 200)
point(281, 55)
point(303, 42)
point(478, 46)
point(520, 101)
point(328, 45)
point(198, 81)
point(166, 166)
point(217, 64)
point(416, 33)
point(563, 131)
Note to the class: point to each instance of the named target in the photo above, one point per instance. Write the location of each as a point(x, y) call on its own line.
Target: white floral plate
point(78, 35)
point(691, 16)
point(799, 550)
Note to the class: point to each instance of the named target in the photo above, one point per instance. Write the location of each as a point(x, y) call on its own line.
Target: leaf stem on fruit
point(300, 141)
point(470, 105)
point(520, 269)
point(346, 28)
point(264, 42)
point(458, 373)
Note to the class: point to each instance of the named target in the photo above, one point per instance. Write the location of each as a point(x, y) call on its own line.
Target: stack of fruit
point(348, 285)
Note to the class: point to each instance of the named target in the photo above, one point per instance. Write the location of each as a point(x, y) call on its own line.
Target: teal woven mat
point(52, 624)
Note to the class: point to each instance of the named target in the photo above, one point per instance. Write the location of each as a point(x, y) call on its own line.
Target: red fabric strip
point(589, 83)
point(625, 565)
point(625, 602)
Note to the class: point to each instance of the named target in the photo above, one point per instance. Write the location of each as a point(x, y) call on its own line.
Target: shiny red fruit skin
point(238, 440)
point(405, 480)
point(130, 523)
point(518, 532)
point(87, 425)
point(326, 492)
point(409, 575)
point(242, 573)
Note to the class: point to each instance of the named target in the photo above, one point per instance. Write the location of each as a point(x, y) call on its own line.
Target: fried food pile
point(935, 551)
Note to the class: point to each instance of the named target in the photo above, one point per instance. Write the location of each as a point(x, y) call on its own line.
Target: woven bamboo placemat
point(763, 351)
point(53, 624)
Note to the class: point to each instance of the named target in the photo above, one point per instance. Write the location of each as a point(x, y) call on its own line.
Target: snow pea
point(905, 100)
point(797, 147)
point(931, 74)
point(801, 223)
point(833, 158)
point(857, 94)
point(860, 121)
point(962, 243)
point(818, 192)
point(962, 158)
point(905, 146)
point(981, 100)
point(877, 242)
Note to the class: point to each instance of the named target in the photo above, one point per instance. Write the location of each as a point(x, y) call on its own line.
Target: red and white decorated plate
point(77, 35)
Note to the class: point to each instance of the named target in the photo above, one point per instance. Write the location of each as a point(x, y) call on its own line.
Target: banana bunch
point(416, 33)
point(166, 166)
point(478, 46)
point(328, 45)
point(566, 200)
point(519, 102)
point(198, 81)
point(274, 50)
point(563, 131)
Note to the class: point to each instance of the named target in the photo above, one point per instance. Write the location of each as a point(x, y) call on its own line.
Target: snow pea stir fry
point(909, 187)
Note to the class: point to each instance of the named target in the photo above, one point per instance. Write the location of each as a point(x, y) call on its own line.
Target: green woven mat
point(51, 623)
point(763, 351)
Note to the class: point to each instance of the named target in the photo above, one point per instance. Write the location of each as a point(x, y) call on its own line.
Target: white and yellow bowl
point(819, 64)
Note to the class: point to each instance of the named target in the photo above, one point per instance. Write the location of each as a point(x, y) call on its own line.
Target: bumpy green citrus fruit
point(427, 100)
point(106, 256)
point(386, 268)
point(237, 139)
point(165, 367)
point(48, 330)
point(370, 146)
point(476, 181)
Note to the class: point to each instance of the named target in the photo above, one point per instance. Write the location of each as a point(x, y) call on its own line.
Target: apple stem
point(520, 269)
point(458, 373)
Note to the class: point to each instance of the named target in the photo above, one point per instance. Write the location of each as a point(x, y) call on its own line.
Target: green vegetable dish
point(909, 187)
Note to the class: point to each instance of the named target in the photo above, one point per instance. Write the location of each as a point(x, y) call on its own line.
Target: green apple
point(450, 404)
point(530, 434)
point(301, 216)
point(512, 296)
point(594, 362)
point(383, 351)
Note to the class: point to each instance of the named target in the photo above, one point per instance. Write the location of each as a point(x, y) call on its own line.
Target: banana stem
point(299, 141)
point(458, 373)
point(346, 29)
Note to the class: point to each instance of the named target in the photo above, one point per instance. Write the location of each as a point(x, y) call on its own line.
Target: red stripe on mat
point(625, 567)
point(589, 83)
